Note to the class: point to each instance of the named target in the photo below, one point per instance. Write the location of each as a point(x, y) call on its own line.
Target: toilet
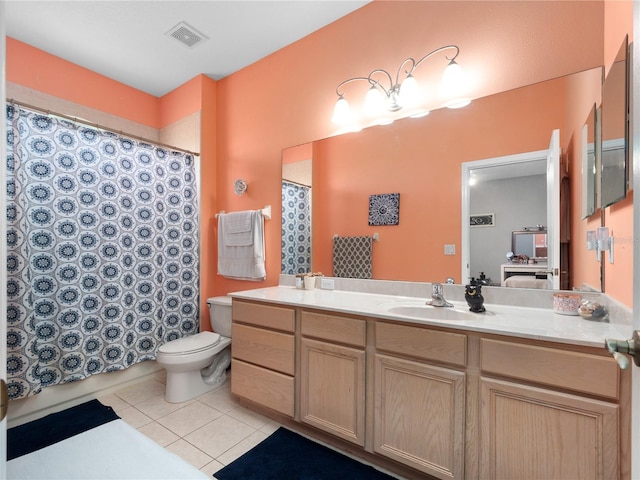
point(198, 364)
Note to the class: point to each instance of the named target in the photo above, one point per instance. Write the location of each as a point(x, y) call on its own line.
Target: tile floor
point(209, 432)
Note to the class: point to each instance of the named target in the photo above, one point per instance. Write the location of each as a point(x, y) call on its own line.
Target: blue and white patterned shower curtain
point(103, 262)
point(296, 228)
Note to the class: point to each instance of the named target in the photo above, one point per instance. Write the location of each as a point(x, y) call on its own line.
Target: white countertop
point(523, 322)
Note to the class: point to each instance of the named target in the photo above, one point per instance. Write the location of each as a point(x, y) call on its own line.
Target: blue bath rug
point(56, 427)
point(287, 455)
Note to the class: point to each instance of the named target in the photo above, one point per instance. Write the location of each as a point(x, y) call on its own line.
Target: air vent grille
point(187, 35)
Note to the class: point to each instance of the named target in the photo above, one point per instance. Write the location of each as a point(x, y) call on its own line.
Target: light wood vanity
point(434, 401)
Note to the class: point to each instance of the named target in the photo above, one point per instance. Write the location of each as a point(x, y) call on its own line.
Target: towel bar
point(266, 212)
point(375, 236)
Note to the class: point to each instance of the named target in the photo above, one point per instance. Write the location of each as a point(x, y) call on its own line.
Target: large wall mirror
point(421, 160)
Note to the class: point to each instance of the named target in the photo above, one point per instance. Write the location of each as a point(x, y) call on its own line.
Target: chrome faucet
point(437, 296)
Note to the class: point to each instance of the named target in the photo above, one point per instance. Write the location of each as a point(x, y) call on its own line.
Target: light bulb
point(410, 94)
point(341, 112)
point(373, 102)
point(453, 82)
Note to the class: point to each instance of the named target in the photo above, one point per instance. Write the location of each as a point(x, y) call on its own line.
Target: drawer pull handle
point(618, 347)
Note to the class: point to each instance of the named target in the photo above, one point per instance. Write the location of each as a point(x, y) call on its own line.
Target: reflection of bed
point(525, 281)
point(89, 442)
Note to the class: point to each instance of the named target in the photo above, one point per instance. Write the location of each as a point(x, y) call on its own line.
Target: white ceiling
point(127, 41)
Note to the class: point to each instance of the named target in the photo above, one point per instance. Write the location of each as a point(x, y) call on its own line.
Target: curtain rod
point(101, 127)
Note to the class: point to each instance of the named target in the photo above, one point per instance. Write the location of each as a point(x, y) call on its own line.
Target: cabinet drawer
point(581, 372)
point(278, 318)
point(267, 348)
point(350, 331)
point(265, 387)
point(422, 343)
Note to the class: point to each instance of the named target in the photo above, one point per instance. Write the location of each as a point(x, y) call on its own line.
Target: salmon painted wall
point(300, 80)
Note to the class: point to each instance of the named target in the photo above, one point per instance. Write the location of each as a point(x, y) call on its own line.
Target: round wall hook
point(239, 186)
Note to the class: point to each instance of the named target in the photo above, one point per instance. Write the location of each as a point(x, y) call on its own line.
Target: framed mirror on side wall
point(590, 162)
point(614, 169)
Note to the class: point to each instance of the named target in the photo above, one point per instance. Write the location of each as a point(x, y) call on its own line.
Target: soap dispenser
point(473, 296)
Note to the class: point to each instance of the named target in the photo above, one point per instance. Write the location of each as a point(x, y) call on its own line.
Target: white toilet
point(198, 363)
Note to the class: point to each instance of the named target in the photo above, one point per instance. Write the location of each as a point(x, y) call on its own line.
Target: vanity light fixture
point(385, 95)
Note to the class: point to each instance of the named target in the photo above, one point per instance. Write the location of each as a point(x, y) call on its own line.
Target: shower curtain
point(103, 255)
point(296, 228)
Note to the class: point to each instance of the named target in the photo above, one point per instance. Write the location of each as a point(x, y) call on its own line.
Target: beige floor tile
point(241, 448)
point(189, 453)
point(220, 399)
point(134, 417)
point(114, 402)
point(270, 427)
point(217, 437)
point(158, 407)
point(211, 468)
point(159, 434)
point(189, 418)
point(249, 417)
point(141, 391)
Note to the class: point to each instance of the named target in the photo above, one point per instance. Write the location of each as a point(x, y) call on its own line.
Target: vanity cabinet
point(419, 417)
point(332, 374)
point(263, 355)
point(547, 413)
point(439, 401)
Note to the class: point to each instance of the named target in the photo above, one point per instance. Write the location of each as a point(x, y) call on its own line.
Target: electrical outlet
point(327, 283)
point(450, 249)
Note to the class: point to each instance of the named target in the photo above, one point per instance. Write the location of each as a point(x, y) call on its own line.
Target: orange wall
point(36, 69)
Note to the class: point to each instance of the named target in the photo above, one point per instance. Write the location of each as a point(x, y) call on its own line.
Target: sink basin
point(428, 312)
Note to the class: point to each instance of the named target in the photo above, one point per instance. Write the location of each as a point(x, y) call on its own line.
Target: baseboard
point(59, 397)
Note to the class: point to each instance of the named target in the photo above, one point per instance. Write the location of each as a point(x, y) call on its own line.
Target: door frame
point(467, 167)
point(3, 235)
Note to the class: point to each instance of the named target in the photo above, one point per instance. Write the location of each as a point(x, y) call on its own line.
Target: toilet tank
point(220, 315)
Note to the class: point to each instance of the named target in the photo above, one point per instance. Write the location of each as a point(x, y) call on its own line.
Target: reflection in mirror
point(514, 189)
point(296, 209)
point(421, 159)
point(614, 124)
point(531, 242)
point(589, 199)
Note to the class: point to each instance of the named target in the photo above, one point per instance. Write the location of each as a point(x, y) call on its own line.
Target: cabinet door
point(419, 415)
point(534, 433)
point(332, 389)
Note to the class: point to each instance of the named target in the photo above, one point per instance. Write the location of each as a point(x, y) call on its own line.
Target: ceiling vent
point(187, 35)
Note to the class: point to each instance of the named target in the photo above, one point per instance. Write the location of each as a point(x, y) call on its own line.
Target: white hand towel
point(242, 262)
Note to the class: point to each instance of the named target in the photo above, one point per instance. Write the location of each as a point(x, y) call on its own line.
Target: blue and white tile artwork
point(384, 209)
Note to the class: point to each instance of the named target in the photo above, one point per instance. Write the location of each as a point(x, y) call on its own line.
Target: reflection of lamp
point(405, 93)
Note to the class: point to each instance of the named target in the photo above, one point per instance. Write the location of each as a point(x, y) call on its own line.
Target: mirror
point(589, 178)
point(421, 160)
point(531, 243)
point(296, 209)
point(614, 124)
point(514, 189)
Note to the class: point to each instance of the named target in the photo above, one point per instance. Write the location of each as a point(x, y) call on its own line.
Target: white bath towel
point(239, 260)
point(238, 229)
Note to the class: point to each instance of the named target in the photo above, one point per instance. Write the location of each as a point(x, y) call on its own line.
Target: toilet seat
point(193, 344)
